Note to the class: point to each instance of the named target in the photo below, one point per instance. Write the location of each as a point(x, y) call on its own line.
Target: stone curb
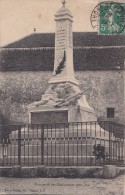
point(107, 172)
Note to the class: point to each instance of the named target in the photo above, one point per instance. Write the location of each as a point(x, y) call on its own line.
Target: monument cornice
point(63, 80)
point(46, 109)
point(63, 18)
point(63, 14)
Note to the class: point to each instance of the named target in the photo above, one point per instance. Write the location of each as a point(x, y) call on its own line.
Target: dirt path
point(62, 186)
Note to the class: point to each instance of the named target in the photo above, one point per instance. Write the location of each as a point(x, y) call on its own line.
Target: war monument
point(63, 127)
point(63, 101)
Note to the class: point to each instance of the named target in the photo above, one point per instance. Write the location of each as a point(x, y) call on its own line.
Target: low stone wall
point(107, 172)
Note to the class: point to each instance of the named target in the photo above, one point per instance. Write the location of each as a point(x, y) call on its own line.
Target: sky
point(18, 18)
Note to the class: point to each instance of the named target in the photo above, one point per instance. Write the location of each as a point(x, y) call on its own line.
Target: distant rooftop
point(91, 52)
point(82, 39)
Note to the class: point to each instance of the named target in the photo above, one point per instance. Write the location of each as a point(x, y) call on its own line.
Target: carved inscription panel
point(49, 117)
point(61, 39)
point(64, 35)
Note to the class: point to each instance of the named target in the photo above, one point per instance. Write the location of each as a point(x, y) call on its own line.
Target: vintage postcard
point(62, 97)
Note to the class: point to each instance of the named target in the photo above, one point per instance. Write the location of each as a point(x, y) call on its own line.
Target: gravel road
point(57, 186)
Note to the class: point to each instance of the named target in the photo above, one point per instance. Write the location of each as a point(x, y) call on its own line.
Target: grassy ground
point(61, 186)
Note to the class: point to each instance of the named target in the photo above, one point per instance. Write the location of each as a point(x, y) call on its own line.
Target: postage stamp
point(112, 18)
point(109, 18)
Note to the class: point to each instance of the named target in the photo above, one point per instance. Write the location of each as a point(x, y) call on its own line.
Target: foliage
point(3, 121)
point(100, 154)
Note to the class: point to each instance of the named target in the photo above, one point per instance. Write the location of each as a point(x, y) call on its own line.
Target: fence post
point(42, 144)
point(110, 142)
point(19, 145)
point(124, 150)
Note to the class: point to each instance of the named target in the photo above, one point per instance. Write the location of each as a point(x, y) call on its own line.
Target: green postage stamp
point(111, 18)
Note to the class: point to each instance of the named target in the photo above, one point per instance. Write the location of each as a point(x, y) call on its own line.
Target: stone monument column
point(63, 101)
point(63, 61)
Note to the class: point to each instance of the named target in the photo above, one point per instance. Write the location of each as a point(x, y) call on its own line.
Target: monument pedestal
point(61, 103)
point(63, 80)
point(48, 115)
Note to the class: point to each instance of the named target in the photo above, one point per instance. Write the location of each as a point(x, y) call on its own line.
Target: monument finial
point(63, 3)
point(34, 30)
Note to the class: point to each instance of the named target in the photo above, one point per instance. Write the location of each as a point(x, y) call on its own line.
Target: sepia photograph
point(62, 97)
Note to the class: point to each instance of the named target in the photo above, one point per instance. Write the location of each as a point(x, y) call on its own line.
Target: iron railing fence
point(62, 144)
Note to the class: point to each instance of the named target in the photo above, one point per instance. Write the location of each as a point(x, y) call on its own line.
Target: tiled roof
point(91, 52)
point(79, 39)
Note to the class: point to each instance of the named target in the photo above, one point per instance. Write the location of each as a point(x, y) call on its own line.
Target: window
point(110, 112)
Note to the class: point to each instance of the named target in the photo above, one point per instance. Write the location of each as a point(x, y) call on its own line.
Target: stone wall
point(18, 89)
point(107, 91)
